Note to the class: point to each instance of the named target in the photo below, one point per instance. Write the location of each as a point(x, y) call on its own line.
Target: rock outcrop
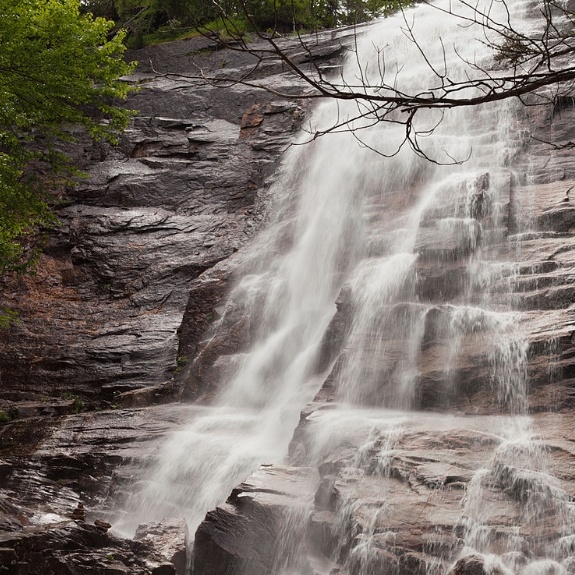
point(255, 519)
point(54, 474)
point(181, 192)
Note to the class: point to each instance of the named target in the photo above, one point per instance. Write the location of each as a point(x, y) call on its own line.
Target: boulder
point(470, 565)
point(248, 533)
point(169, 539)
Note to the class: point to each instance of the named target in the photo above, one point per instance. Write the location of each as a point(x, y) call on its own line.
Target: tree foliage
point(58, 69)
point(136, 17)
point(143, 17)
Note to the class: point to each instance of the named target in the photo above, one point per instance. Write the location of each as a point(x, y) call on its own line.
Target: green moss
point(78, 404)
point(8, 317)
point(181, 361)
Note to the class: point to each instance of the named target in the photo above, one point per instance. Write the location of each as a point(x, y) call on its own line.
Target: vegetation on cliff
point(59, 70)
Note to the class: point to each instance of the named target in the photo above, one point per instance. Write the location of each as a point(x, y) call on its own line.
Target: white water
point(347, 217)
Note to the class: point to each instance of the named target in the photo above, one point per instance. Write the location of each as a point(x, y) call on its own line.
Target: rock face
point(54, 474)
point(180, 193)
point(401, 495)
point(169, 539)
point(86, 549)
point(244, 535)
point(149, 235)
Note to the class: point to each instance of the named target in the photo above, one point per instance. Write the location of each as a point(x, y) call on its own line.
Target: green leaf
point(59, 68)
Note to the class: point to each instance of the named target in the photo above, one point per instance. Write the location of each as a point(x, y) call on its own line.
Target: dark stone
point(232, 540)
point(244, 534)
point(82, 548)
point(153, 215)
point(102, 525)
point(169, 539)
point(8, 561)
point(164, 569)
point(470, 565)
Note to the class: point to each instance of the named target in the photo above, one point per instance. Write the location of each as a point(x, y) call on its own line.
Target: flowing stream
point(417, 256)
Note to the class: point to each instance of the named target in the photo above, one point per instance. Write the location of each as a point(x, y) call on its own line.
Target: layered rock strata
point(147, 241)
point(183, 191)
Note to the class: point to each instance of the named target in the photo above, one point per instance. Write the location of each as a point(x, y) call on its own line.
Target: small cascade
point(381, 295)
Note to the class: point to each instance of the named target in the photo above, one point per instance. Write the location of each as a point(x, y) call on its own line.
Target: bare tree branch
point(526, 63)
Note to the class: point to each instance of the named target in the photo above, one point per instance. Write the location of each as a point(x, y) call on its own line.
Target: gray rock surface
point(244, 534)
point(54, 474)
point(396, 496)
point(180, 193)
point(147, 236)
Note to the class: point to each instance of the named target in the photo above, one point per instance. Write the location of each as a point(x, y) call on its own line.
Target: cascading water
point(415, 251)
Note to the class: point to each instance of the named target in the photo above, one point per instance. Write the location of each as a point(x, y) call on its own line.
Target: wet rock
point(569, 565)
point(79, 514)
point(441, 283)
point(217, 553)
point(246, 532)
point(72, 549)
point(546, 567)
point(50, 500)
point(197, 349)
point(399, 504)
point(560, 218)
point(450, 239)
point(8, 560)
point(164, 569)
point(5, 469)
point(180, 193)
point(169, 539)
point(252, 118)
point(470, 565)
point(153, 237)
point(396, 493)
point(515, 560)
point(102, 525)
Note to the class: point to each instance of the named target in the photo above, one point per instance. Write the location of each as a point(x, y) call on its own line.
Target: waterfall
point(416, 256)
point(293, 275)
